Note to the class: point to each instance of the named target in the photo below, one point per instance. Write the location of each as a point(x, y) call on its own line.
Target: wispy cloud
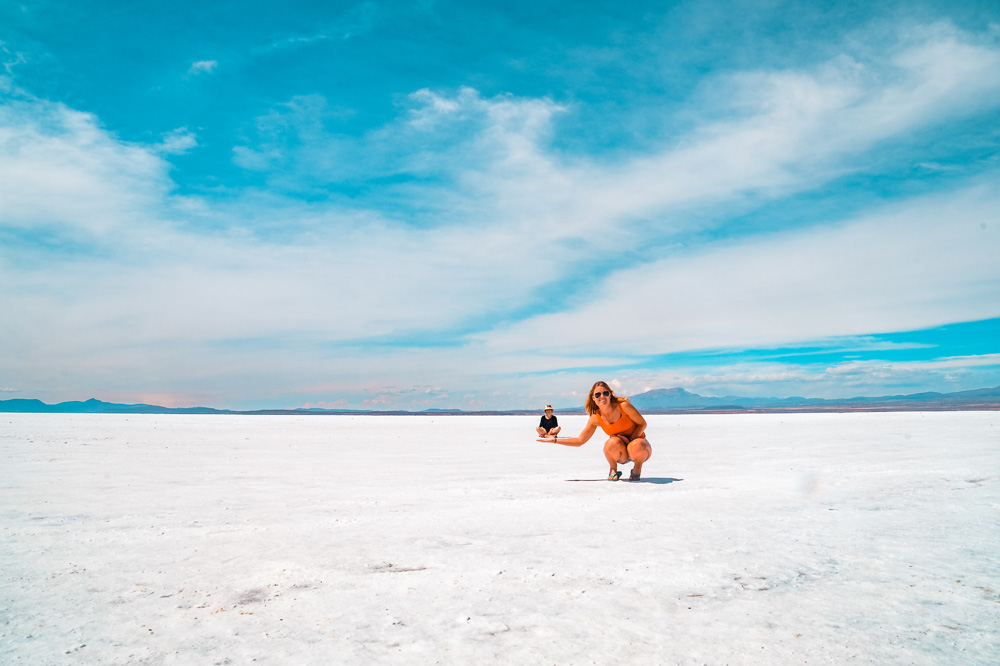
point(178, 142)
point(60, 169)
point(915, 264)
point(836, 380)
point(203, 67)
point(11, 59)
point(789, 131)
point(356, 20)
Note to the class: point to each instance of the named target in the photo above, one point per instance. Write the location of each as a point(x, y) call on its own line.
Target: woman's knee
point(613, 444)
point(639, 450)
point(614, 448)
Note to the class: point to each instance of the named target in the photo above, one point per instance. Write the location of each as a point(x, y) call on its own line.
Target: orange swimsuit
point(623, 426)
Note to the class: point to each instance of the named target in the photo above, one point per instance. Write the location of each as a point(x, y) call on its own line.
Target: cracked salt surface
point(753, 539)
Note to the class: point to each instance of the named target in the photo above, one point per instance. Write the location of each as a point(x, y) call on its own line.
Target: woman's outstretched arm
point(579, 440)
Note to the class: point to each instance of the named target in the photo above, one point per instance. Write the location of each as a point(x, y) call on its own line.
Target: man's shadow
point(662, 481)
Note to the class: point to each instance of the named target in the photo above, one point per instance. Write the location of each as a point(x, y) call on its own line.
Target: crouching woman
point(624, 425)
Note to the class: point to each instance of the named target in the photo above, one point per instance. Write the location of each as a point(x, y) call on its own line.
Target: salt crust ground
point(756, 539)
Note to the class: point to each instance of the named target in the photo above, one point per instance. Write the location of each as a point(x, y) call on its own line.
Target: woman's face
point(602, 395)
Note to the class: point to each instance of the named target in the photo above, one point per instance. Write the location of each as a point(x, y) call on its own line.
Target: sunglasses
point(598, 394)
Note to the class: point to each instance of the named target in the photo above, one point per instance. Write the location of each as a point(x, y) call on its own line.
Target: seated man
point(549, 425)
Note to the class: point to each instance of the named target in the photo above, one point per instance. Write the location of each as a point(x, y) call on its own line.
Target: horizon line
point(856, 403)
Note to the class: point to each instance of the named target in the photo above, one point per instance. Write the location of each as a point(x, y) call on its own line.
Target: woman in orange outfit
point(625, 427)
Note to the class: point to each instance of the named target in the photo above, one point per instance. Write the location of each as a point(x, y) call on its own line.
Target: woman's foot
point(613, 475)
point(633, 475)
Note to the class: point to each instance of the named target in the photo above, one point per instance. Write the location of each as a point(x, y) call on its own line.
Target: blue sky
point(432, 204)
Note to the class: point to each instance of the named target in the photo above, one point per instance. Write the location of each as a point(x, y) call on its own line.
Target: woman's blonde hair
point(591, 405)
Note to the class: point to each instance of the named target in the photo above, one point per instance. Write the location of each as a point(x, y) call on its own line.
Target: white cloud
point(10, 60)
point(791, 130)
point(59, 168)
point(352, 22)
point(150, 277)
point(837, 380)
point(914, 265)
point(178, 142)
point(795, 128)
point(203, 67)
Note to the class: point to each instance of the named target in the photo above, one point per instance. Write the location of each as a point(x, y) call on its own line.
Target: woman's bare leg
point(615, 452)
point(639, 450)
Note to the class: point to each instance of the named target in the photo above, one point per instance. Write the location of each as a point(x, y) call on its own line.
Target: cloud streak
point(917, 264)
point(203, 67)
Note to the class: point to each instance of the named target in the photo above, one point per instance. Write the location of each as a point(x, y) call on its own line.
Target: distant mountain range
point(677, 399)
point(93, 406)
point(658, 401)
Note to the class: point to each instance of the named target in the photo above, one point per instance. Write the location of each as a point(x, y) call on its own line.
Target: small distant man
point(549, 425)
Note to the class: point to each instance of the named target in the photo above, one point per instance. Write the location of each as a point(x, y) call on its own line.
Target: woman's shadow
point(661, 481)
